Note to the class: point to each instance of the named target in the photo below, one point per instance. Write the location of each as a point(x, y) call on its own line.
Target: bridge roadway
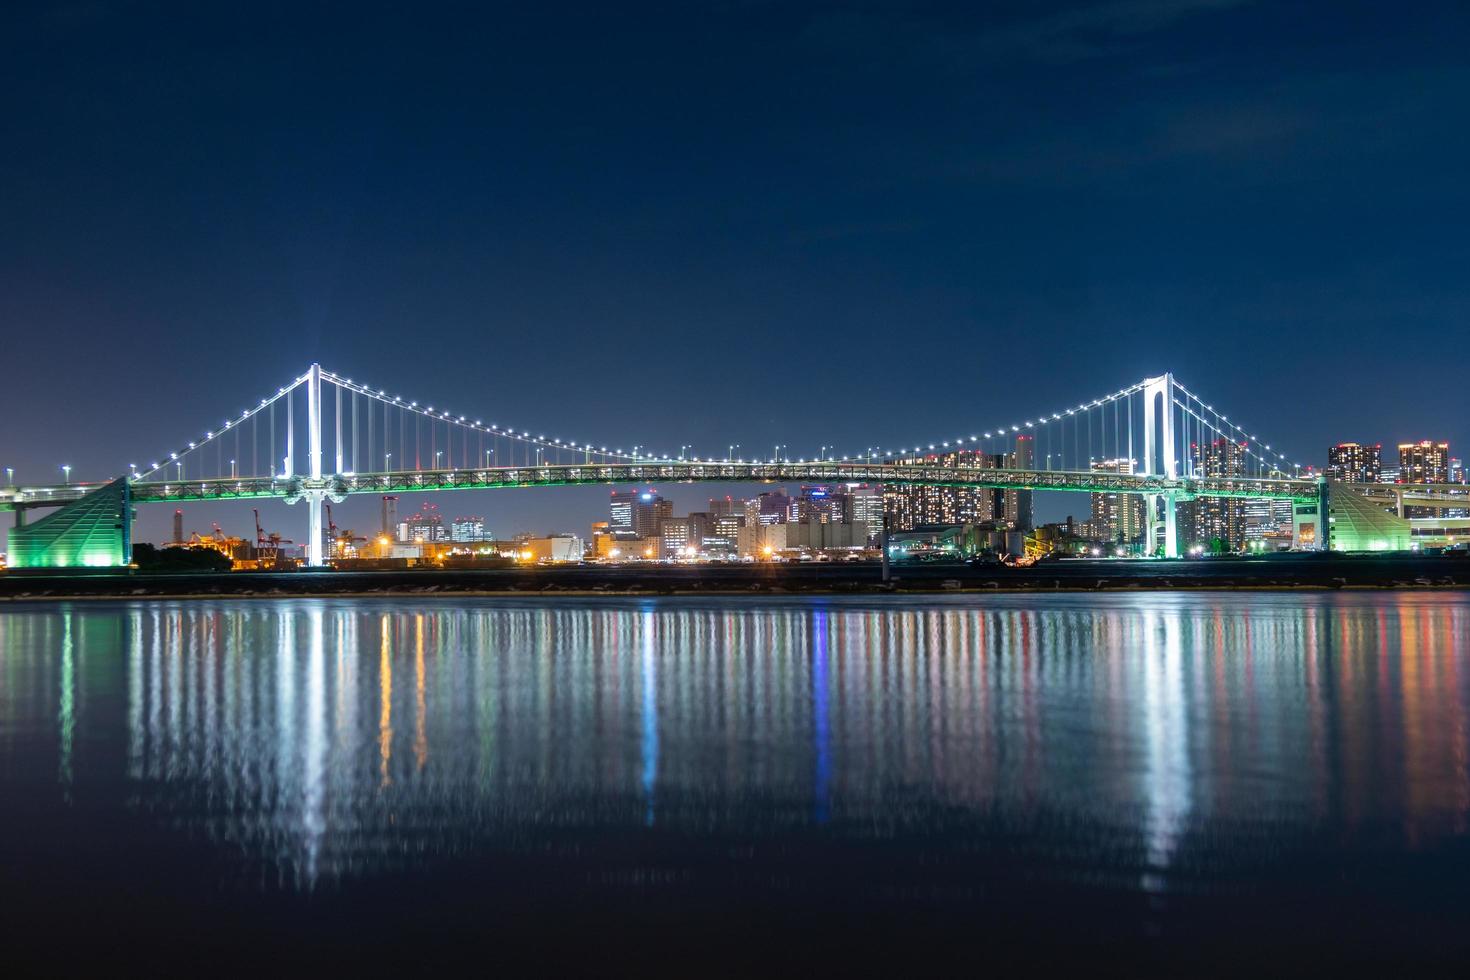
point(290, 489)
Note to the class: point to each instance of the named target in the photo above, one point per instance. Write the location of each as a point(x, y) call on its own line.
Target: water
point(1198, 781)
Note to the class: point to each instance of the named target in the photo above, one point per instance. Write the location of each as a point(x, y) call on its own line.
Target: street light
point(436, 458)
point(66, 471)
point(233, 472)
point(386, 458)
point(9, 476)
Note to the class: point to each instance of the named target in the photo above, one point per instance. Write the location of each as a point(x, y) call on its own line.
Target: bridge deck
point(408, 481)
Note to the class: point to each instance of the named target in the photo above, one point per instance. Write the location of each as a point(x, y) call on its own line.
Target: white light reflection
point(1167, 796)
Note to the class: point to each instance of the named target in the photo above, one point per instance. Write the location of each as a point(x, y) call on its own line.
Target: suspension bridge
point(324, 437)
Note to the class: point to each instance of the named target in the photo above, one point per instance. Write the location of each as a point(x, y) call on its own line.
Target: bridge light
point(173, 455)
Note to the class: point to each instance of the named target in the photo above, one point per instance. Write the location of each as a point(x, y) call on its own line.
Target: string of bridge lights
point(1251, 439)
point(1019, 427)
point(228, 425)
point(492, 429)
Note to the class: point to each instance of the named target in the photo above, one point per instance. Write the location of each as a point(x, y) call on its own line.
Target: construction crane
point(268, 542)
point(340, 543)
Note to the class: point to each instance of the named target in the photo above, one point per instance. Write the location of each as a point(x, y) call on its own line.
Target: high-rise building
point(822, 504)
point(1267, 524)
point(721, 506)
point(636, 513)
point(1019, 508)
point(772, 507)
point(867, 507)
point(1351, 462)
point(675, 533)
point(1426, 461)
point(390, 516)
point(909, 506)
point(1219, 519)
point(724, 534)
point(426, 525)
point(465, 529)
point(1117, 517)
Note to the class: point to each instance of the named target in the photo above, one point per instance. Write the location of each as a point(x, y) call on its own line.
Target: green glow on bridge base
point(93, 532)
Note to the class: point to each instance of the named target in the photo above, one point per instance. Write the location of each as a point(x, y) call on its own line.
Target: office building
point(772, 507)
point(424, 526)
point(911, 506)
point(1218, 523)
point(1116, 517)
point(724, 534)
point(722, 506)
point(1267, 524)
point(636, 513)
point(867, 507)
point(1352, 462)
point(1018, 505)
point(465, 529)
point(676, 537)
point(1426, 461)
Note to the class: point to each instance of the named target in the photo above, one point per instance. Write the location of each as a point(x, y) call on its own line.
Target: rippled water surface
point(1127, 781)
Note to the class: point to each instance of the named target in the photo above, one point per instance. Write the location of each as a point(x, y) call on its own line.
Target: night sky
point(730, 222)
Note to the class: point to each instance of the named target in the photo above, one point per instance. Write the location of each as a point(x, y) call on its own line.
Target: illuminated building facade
point(637, 513)
point(910, 507)
point(1116, 517)
point(425, 526)
point(1351, 462)
point(1426, 461)
point(465, 529)
point(1219, 519)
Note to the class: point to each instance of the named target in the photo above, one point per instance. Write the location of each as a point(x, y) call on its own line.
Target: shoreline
point(1274, 574)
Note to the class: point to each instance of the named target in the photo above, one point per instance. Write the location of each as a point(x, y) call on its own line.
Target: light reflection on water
point(330, 739)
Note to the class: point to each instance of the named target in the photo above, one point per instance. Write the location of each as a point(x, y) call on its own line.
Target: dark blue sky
point(730, 222)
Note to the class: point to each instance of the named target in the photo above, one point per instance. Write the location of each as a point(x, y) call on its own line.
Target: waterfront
point(1123, 780)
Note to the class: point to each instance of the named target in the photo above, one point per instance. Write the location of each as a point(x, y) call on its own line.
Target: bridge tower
point(1159, 459)
point(314, 495)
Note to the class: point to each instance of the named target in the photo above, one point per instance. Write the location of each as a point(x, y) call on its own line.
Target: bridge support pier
point(883, 548)
point(314, 527)
point(1171, 525)
point(20, 517)
point(314, 556)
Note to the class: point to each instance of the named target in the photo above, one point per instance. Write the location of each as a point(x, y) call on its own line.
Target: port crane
point(342, 543)
point(268, 544)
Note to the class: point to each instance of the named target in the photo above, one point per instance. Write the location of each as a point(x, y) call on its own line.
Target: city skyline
point(558, 236)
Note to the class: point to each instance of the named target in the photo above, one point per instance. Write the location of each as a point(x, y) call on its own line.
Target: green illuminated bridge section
point(292, 489)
